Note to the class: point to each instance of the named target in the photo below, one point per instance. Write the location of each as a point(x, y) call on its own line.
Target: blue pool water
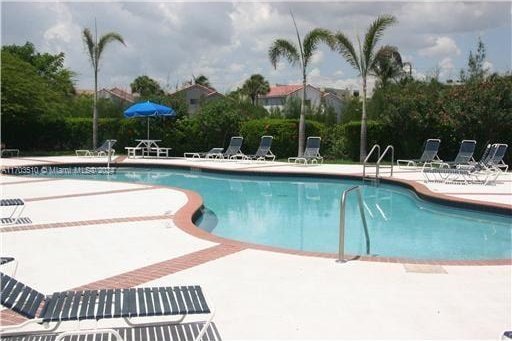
point(303, 214)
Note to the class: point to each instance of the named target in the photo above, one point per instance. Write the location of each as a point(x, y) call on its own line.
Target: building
point(118, 95)
point(196, 94)
point(279, 94)
point(344, 94)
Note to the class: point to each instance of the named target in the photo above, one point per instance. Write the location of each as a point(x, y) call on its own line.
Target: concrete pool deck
point(97, 234)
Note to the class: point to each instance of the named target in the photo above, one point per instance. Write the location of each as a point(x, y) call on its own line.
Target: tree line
point(36, 86)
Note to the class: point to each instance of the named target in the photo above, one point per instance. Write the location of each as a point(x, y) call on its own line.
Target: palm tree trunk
point(362, 150)
point(302, 119)
point(95, 111)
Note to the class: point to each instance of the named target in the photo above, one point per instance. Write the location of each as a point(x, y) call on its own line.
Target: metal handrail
point(389, 147)
point(375, 147)
point(341, 251)
point(109, 159)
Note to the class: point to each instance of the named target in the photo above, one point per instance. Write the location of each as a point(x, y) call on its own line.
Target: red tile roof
point(282, 90)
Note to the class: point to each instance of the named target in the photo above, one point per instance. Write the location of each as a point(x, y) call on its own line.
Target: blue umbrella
point(148, 109)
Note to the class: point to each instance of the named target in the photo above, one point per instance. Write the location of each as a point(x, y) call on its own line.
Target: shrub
point(377, 134)
point(284, 131)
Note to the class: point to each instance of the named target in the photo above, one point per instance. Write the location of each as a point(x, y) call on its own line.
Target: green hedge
point(284, 131)
point(377, 134)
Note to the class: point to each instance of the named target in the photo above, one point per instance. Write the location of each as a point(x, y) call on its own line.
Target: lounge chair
point(12, 261)
point(464, 156)
point(496, 160)
point(17, 206)
point(263, 153)
point(430, 149)
point(101, 304)
point(4, 152)
point(157, 332)
point(487, 170)
point(214, 153)
point(100, 151)
point(233, 151)
point(311, 153)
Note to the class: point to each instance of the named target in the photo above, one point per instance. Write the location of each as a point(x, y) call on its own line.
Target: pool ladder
point(378, 166)
point(343, 203)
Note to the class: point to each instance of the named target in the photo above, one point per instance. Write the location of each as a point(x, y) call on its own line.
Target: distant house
point(279, 94)
point(85, 92)
point(344, 94)
point(197, 94)
point(118, 95)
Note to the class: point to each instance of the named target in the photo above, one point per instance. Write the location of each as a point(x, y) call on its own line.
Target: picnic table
point(146, 148)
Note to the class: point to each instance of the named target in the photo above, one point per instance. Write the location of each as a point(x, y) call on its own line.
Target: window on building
point(194, 101)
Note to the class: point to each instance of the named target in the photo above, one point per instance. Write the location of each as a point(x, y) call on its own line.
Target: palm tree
point(303, 52)
point(256, 85)
point(388, 66)
point(202, 80)
point(364, 61)
point(96, 48)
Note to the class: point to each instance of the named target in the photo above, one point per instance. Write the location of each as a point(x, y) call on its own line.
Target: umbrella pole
point(148, 127)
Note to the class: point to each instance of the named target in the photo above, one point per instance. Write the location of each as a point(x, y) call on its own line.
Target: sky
point(172, 42)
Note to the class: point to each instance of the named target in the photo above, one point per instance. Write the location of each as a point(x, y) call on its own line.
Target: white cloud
point(229, 41)
point(317, 58)
point(446, 68)
point(314, 72)
point(63, 31)
point(440, 47)
point(488, 66)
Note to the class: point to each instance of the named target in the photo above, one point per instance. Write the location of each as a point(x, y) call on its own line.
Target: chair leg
point(129, 321)
point(113, 332)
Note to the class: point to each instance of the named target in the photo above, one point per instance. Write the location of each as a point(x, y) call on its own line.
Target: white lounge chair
point(311, 152)
point(429, 156)
point(263, 153)
point(100, 151)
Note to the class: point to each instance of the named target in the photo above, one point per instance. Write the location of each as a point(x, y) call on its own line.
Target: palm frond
point(312, 39)
point(387, 64)
point(373, 36)
point(89, 42)
point(283, 48)
point(344, 46)
point(106, 39)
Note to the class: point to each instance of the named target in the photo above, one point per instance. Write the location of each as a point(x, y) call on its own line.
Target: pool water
point(303, 214)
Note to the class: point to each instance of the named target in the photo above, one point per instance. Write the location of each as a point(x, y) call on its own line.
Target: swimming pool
point(303, 214)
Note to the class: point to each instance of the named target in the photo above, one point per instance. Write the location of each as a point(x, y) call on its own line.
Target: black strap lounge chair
point(464, 156)
point(100, 151)
point(233, 151)
point(263, 153)
point(101, 304)
point(157, 332)
point(430, 149)
point(5, 260)
point(311, 152)
point(17, 206)
point(13, 263)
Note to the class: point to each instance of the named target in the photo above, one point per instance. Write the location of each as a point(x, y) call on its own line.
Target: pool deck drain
point(425, 269)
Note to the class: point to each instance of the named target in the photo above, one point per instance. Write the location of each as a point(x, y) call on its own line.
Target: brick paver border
point(81, 223)
point(73, 195)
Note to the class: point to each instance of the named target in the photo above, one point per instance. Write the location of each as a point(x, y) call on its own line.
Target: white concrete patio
point(257, 294)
